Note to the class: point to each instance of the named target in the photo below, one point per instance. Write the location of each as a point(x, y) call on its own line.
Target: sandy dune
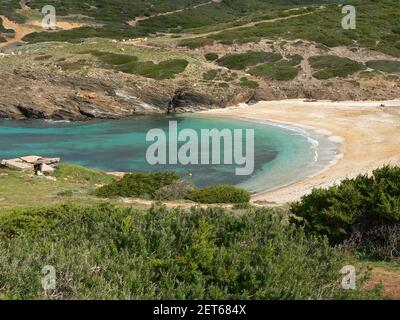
point(369, 136)
point(21, 30)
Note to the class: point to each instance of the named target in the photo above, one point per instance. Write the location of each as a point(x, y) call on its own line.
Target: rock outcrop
point(28, 96)
point(39, 165)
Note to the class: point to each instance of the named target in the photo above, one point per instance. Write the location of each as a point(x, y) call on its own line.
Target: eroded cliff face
point(27, 96)
point(68, 97)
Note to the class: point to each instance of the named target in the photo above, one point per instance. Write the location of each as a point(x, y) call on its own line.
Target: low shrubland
point(239, 61)
point(166, 69)
point(245, 82)
point(169, 186)
point(210, 74)
point(363, 212)
point(138, 185)
point(109, 252)
point(195, 42)
point(377, 28)
point(328, 66)
point(211, 56)
point(80, 174)
point(387, 66)
point(283, 71)
point(223, 193)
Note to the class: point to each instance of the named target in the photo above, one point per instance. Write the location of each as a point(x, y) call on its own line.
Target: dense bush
point(195, 42)
point(239, 61)
point(105, 252)
point(385, 65)
point(177, 190)
point(166, 69)
point(366, 203)
point(211, 56)
point(326, 67)
point(223, 193)
point(282, 71)
point(210, 75)
point(245, 82)
point(138, 185)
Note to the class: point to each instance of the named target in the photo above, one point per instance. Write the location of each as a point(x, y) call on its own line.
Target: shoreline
point(325, 146)
point(316, 138)
point(368, 136)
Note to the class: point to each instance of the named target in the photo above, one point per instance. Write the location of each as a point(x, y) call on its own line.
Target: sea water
point(282, 154)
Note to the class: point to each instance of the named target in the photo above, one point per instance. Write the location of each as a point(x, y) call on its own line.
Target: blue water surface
point(120, 145)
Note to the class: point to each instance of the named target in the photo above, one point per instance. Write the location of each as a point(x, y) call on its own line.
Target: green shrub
point(210, 75)
point(333, 66)
point(106, 252)
point(282, 71)
point(364, 203)
point(211, 56)
point(295, 59)
point(138, 185)
point(223, 85)
point(129, 64)
point(239, 61)
point(387, 66)
point(177, 190)
point(164, 70)
point(245, 82)
point(220, 194)
point(196, 42)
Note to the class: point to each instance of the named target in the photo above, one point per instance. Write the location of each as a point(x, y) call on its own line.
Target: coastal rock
point(32, 163)
point(30, 113)
point(17, 164)
point(92, 111)
point(189, 99)
point(46, 169)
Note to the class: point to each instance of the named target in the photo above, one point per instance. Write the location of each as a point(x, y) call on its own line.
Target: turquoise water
point(281, 155)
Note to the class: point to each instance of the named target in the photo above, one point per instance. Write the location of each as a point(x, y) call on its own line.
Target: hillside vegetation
point(122, 253)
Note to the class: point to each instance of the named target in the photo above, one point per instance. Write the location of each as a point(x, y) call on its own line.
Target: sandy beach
point(369, 136)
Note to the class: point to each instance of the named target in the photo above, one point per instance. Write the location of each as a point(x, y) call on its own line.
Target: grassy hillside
point(377, 28)
point(171, 15)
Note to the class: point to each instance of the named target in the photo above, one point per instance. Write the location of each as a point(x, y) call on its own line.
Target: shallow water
point(282, 155)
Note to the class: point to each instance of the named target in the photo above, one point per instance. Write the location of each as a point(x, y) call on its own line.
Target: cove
point(281, 154)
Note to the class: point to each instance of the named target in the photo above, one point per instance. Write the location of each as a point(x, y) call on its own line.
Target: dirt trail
point(63, 25)
point(248, 25)
point(390, 279)
point(20, 31)
point(137, 20)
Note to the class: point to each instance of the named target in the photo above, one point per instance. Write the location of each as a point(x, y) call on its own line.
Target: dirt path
point(247, 25)
point(63, 25)
point(137, 20)
point(20, 31)
point(390, 280)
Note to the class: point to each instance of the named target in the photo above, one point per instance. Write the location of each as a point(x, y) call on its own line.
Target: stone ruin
point(37, 164)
